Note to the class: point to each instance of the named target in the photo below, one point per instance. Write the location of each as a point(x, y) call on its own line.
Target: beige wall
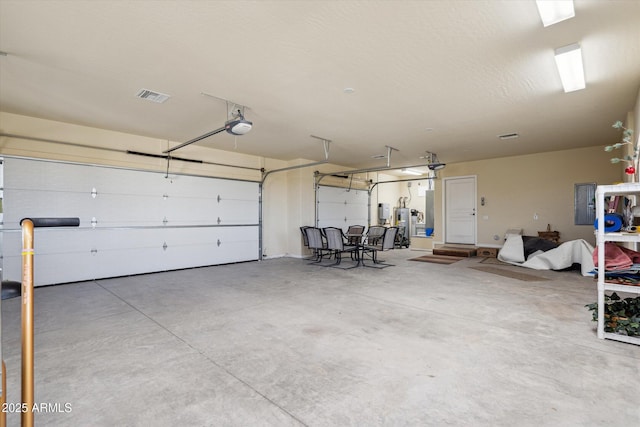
point(301, 207)
point(514, 187)
point(110, 148)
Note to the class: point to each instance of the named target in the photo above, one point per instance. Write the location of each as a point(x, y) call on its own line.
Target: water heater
point(384, 211)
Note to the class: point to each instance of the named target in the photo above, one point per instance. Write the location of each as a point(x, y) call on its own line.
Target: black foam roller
point(53, 222)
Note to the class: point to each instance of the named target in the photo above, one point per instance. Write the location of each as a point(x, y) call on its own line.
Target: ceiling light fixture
point(409, 171)
point(554, 11)
point(569, 63)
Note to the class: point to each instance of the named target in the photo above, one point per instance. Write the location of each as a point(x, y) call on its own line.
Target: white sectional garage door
point(130, 221)
point(341, 207)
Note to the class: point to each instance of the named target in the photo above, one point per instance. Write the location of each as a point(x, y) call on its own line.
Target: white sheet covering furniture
point(564, 256)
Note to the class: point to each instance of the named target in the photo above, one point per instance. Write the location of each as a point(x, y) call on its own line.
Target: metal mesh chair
point(387, 242)
point(374, 234)
point(355, 234)
point(316, 243)
point(335, 244)
point(305, 239)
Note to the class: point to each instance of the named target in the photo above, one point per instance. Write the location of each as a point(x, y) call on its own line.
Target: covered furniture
point(541, 254)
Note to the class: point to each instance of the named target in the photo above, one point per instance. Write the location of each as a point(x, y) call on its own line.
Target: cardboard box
point(487, 252)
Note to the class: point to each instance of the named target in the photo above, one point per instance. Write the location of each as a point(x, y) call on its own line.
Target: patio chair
point(335, 244)
point(387, 242)
point(316, 244)
point(374, 234)
point(305, 240)
point(355, 234)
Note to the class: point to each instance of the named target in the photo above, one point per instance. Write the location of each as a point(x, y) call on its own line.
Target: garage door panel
point(237, 244)
point(191, 210)
point(61, 255)
point(125, 181)
point(144, 222)
point(121, 252)
point(341, 207)
point(238, 212)
point(207, 246)
point(19, 204)
point(237, 190)
point(114, 210)
point(45, 175)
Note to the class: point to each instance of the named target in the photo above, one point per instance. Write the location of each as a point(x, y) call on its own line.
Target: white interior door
point(460, 210)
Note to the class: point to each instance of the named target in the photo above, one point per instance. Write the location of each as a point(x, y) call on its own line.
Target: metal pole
point(3, 399)
point(27, 323)
point(267, 173)
point(3, 392)
point(260, 189)
point(196, 139)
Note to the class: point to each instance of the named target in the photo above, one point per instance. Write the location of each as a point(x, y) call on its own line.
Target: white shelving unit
point(629, 189)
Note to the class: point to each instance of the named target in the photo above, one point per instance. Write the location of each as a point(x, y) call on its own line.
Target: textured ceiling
point(440, 76)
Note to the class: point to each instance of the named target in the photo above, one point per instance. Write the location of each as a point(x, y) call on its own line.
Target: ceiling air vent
point(152, 96)
point(508, 136)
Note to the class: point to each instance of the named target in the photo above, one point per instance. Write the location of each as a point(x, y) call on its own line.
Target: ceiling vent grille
point(152, 96)
point(508, 136)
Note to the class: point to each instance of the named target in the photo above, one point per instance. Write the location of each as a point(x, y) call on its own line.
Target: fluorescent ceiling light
point(411, 171)
point(569, 62)
point(554, 11)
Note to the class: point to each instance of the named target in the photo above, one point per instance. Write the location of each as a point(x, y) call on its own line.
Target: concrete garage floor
point(284, 343)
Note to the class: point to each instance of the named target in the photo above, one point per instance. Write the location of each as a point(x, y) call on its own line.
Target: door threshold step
point(451, 250)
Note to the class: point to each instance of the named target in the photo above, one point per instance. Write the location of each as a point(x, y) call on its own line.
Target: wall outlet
point(535, 216)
